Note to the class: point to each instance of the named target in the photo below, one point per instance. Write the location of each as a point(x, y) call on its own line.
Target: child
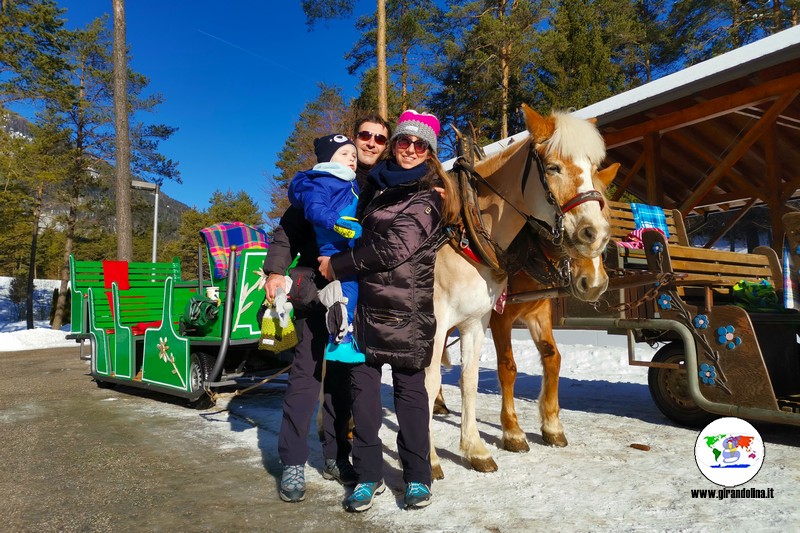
point(328, 195)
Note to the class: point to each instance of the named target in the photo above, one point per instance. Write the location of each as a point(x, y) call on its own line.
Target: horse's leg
point(513, 437)
point(540, 324)
point(439, 405)
point(433, 384)
point(475, 451)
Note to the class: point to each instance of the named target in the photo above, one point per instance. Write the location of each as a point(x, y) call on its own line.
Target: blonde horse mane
point(574, 138)
point(569, 138)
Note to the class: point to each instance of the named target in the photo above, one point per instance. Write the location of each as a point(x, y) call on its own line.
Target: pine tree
point(706, 28)
point(323, 116)
point(410, 45)
point(485, 51)
point(575, 59)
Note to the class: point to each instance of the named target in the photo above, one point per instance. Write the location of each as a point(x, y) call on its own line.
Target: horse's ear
point(607, 175)
point(537, 125)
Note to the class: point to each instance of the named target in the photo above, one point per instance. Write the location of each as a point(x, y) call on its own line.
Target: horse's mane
point(491, 164)
point(574, 138)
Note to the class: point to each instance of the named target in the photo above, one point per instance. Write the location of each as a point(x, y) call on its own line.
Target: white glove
point(282, 307)
point(336, 316)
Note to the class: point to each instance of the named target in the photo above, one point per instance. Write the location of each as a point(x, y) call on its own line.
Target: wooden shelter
point(720, 135)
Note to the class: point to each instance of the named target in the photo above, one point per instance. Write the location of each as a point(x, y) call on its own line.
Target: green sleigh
point(148, 328)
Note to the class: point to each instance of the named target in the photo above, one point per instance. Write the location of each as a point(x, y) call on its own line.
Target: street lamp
point(147, 186)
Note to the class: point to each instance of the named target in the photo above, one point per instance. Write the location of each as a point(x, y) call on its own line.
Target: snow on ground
point(14, 336)
point(597, 483)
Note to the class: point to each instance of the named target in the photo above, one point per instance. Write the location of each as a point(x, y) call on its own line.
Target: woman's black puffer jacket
point(394, 261)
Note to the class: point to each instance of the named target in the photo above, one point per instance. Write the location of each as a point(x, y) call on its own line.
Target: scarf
point(388, 174)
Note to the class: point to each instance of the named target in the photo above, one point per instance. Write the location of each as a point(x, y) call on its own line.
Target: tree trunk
point(383, 104)
point(123, 146)
point(58, 316)
point(37, 213)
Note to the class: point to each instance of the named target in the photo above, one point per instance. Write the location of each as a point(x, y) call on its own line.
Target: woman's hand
point(325, 267)
point(274, 282)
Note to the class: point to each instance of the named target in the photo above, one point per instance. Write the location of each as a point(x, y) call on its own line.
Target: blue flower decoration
point(707, 374)
point(665, 301)
point(657, 248)
point(725, 336)
point(701, 322)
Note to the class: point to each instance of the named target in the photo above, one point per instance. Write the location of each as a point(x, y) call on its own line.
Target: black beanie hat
point(325, 147)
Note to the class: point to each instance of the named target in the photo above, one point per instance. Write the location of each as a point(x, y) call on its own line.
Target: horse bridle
point(556, 267)
point(553, 234)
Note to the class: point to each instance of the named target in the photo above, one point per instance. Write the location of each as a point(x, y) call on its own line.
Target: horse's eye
point(553, 169)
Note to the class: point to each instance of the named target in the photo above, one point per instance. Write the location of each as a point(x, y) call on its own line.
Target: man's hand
point(325, 267)
point(274, 281)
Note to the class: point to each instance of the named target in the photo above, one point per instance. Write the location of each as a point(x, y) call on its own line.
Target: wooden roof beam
point(705, 110)
point(736, 153)
point(693, 147)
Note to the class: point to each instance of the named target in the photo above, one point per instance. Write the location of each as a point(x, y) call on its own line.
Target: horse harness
point(538, 252)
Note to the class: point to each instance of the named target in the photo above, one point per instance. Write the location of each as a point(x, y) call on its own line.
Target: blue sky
point(234, 75)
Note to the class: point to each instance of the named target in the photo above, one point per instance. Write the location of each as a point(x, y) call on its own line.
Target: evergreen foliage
point(323, 116)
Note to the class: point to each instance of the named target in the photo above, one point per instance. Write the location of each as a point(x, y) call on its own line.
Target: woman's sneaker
point(362, 496)
point(293, 483)
point(418, 495)
point(341, 470)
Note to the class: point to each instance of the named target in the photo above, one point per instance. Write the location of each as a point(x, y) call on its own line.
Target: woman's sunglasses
point(420, 146)
point(380, 139)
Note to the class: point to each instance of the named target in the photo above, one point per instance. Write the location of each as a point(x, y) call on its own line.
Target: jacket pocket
point(383, 330)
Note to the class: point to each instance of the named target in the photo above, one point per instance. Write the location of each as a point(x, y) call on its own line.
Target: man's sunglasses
point(420, 146)
point(380, 139)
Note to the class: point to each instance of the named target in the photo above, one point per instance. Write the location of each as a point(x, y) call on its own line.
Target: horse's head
point(570, 150)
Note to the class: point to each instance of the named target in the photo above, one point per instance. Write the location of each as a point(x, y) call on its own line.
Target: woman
point(395, 324)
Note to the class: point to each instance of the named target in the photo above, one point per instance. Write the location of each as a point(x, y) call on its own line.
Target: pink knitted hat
point(422, 125)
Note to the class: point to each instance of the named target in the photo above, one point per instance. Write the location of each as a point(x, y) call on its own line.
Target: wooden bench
point(92, 274)
point(697, 267)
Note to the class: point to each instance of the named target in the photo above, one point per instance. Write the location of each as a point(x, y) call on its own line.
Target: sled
point(149, 328)
point(730, 341)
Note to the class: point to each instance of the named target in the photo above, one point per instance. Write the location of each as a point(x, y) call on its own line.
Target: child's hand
point(347, 227)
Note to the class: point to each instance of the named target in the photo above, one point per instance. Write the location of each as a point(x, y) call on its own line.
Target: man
point(296, 235)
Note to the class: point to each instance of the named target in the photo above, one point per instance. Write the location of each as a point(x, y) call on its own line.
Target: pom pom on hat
point(422, 125)
point(325, 147)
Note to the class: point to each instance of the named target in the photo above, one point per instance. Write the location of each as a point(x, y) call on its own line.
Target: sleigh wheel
point(198, 375)
point(670, 389)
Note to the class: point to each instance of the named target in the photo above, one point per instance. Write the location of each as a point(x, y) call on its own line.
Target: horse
point(568, 151)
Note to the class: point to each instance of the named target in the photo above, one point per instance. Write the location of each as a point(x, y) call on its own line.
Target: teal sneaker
point(418, 495)
point(362, 496)
point(293, 483)
point(345, 352)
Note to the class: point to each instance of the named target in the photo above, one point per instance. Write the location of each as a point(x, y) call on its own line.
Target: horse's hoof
point(436, 472)
point(440, 409)
point(559, 440)
point(516, 445)
point(484, 465)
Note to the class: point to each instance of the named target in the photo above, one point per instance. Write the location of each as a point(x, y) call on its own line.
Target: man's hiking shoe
point(341, 470)
point(418, 495)
point(293, 483)
point(362, 496)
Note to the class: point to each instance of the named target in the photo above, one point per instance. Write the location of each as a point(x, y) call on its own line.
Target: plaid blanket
point(220, 237)
point(649, 216)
